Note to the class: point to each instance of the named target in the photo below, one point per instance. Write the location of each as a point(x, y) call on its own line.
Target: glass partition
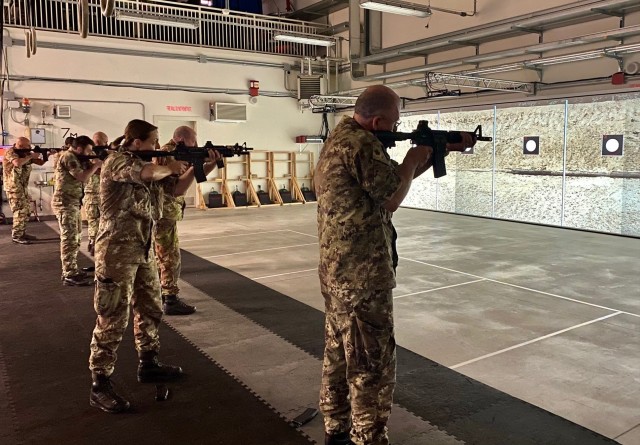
point(568, 162)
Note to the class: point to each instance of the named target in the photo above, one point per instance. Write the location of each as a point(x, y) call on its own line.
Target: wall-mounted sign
point(612, 144)
point(531, 145)
point(178, 108)
point(38, 136)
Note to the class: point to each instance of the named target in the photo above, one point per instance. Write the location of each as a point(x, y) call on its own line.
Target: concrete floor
point(550, 316)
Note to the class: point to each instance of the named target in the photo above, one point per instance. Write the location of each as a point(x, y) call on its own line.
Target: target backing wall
point(569, 162)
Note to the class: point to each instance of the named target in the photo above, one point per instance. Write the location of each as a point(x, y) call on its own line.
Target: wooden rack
point(273, 168)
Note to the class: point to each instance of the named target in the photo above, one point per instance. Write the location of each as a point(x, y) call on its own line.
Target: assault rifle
point(436, 139)
point(101, 152)
point(22, 152)
point(196, 156)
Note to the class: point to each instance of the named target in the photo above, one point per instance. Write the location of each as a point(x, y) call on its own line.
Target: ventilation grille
point(309, 85)
point(230, 112)
point(63, 111)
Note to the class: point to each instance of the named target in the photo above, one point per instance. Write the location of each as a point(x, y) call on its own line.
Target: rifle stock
point(436, 139)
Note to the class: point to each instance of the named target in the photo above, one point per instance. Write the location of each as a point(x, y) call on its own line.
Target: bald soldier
point(358, 188)
point(165, 233)
point(91, 198)
point(16, 169)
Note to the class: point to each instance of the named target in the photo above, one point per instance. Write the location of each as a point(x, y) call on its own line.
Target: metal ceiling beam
point(319, 10)
point(337, 101)
point(582, 11)
point(479, 83)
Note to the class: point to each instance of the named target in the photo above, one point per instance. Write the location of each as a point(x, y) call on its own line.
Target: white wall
point(273, 122)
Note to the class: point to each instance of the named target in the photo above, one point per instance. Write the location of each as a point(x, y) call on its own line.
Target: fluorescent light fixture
point(304, 38)
point(396, 7)
point(624, 49)
point(496, 69)
point(590, 55)
point(157, 19)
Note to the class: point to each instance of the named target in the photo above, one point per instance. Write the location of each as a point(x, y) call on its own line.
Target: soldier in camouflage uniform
point(358, 187)
point(16, 169)
point(91, 198)
point(69, 176)
point(166, 230)
point(126, 273)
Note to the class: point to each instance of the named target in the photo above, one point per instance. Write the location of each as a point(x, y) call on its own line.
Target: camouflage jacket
point(15, 179)
point(128, 208)
point(171, 205)
point(67, 188)
point(353, 178)
point(92, 189)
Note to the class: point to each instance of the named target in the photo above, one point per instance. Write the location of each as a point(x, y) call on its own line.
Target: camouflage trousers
point(92, 211)
point(120, 287)
point(70, 235)
point(20, 203)
point(359, 367)
point(167, 248)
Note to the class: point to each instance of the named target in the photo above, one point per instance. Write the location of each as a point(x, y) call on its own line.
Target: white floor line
point(305, 234)
point(282, 274)
point(259, 250)
point(228, 236)
point(553, 334)
point(437, 288)
point(525, 288)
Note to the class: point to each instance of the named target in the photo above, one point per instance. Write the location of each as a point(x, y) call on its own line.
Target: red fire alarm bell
point(254, 87)
point(617, 78)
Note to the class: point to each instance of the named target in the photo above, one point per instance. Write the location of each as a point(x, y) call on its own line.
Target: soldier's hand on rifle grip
point(97, 162)
point(215, 156)
point(177, 167)
point(468, 140)
point(35, 155)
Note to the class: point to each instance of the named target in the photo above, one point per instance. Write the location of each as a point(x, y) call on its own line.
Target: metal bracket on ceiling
point(616, 57)
point(610, 12)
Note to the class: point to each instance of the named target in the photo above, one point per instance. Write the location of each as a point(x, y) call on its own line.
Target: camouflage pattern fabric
point(353, 178)
point(70, 226)
point(67, 188)
point(91, 205)
point(126, 273)
point(168, 255)
point(66, 206)
point(360, 362)
point(16, 186)
point(119, 287)
point(166, 233)
point(172, 205)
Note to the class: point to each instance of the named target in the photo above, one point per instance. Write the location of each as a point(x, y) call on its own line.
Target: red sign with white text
point(178, 108)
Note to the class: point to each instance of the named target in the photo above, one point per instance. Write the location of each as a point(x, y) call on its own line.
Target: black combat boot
point(78, 279)
point(337, 439)
point(150, 370)
point(104, 397)
point(173, 305)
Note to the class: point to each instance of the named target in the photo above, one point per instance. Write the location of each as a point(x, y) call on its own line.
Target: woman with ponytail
point(126, 275)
